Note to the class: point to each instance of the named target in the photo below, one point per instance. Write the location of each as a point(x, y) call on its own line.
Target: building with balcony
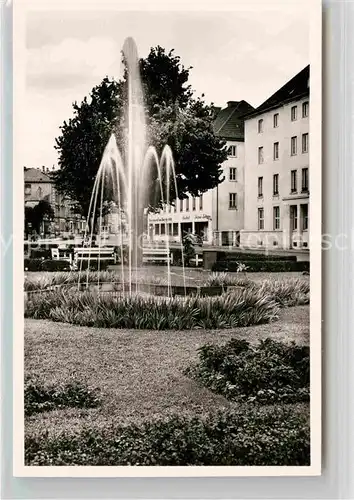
point(276, 172)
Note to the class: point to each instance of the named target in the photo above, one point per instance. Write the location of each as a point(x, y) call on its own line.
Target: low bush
point(240, 308)
point(276, 436)
point(270, 372)
point(62, 265)
point(243, 256)
point(40, 397)
point(254, 266)
point(38, 253)
point(46, 265)
point(33, 264)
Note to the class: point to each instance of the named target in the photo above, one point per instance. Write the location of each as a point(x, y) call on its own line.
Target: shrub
point(189, 244)
point(93, 265)
point(40, 253)
point(270, 372)
point(254, 266)
point(40, 397)
point(37, 251)
point(55, 265)
point(243, 256)
point(33, 264)
point(240, 308)
point(275, 436)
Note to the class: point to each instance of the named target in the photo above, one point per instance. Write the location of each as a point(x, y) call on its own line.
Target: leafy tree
point(173, 116)
point(35, 215)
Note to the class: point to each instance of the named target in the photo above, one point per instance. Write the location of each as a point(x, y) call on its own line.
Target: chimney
point(231, 104)
point(43, 168)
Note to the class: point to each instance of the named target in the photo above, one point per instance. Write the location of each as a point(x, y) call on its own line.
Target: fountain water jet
point(127, 175)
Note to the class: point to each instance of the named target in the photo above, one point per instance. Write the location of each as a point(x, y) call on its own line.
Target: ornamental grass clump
point(240, 308)
point(286, 293)
point(65, 279)
point(267, 373)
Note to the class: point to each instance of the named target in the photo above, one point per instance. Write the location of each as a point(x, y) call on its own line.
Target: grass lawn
point(139, 373)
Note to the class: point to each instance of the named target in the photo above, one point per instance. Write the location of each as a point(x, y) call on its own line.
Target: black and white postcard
point(167, 238)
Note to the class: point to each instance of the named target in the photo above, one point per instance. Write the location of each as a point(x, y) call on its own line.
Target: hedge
point(257, 436)
point(61, 265)
point(226, 256)
point(46, 265)
point(254, 266)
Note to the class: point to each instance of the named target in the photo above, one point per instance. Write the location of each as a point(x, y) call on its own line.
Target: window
point(157, 229)
point(276, 218)
point(163, 229)
point(261, 218)
point(175, 206)
point(233, 174)
point(293, 181)
point(187, 204)
point(305, 109)
point(276, 151)
point(260, 126)
point(275, 184)
point(201, 202)
point(232, 201)
point(232, 151)
point(169, 229)
point(304, 217)
point(39, 193)
point(260, 154)
point(28, 189)
point(175, 229)
point(260, 187)
point(293, 150)
point(305, 143)
point(293, 217)
point(181, 205)
point(305, 180)
point(294, 113)
point(193, 203)
point(276, 120)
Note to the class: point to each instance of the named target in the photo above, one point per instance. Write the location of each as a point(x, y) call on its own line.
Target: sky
point(234, 56)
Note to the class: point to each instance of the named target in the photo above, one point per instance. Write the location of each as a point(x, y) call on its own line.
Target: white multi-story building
point(218, 215)
point(276, 182)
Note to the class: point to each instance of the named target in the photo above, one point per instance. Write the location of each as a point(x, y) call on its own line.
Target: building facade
point(276, 182)
point(39, 185)
point(217, 216)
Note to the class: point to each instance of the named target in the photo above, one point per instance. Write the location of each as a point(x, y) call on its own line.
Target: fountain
point(128, 175)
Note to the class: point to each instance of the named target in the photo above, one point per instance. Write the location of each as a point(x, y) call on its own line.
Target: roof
point(36, 175)
point(295, 88)
point(229, 123)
